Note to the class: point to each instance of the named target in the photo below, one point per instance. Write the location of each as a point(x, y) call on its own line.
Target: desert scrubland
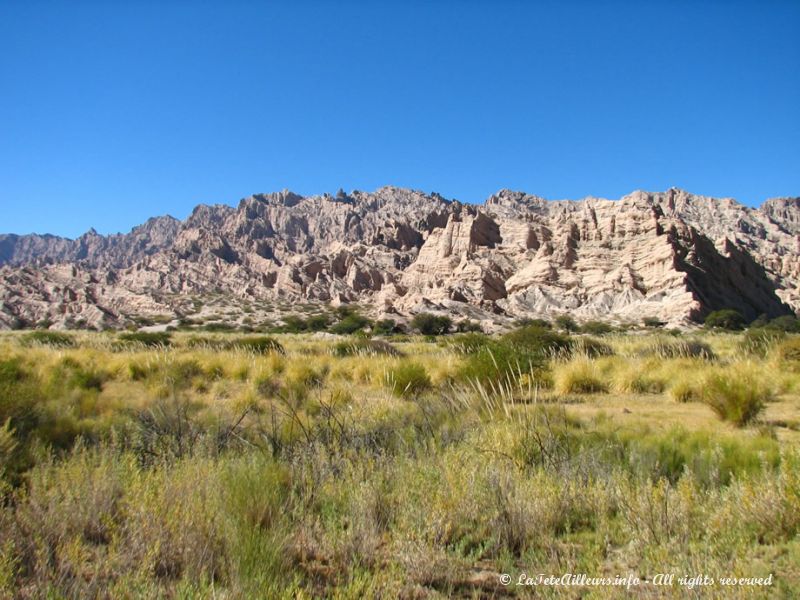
point(231, 465)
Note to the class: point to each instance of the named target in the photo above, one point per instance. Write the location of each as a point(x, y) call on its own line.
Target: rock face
point(670, 255)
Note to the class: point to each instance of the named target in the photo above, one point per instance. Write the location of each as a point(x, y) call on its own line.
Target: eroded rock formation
point(670, 255)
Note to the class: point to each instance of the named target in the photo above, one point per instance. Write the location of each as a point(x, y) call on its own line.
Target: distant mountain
point(670, 255)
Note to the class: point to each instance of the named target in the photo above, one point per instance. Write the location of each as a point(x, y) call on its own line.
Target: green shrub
point(523, 351)
point(567, 323)
point(350, 324)
point(385, 327)
point(294, 324)
point(430, 324)
point(496, 362)
point(596, 327)
point(408, 379)
point(726, 318)
point(735, 397)
point(145, 338)
point(366, 347)
point(48, 338)
point(786, 323)
point(538, 340)
point(317, 322)
point(469, 343)
point(525, 321)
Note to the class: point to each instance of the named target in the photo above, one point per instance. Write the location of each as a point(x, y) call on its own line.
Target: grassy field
point(230, 466)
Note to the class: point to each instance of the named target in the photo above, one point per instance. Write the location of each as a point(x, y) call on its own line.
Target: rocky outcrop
point(671, 255)
point(91, 249)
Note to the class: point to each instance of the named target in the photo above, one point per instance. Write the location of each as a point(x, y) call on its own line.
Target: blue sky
point(111, 112)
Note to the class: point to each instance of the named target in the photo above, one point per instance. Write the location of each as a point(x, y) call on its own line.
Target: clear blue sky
point(111, 112)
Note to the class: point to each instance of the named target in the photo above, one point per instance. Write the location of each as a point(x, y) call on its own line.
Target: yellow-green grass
point(206, 470)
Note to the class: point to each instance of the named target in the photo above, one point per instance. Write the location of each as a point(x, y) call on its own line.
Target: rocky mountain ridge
point(670, 255)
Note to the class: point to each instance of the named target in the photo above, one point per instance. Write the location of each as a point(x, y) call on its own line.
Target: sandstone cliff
point(671, 255)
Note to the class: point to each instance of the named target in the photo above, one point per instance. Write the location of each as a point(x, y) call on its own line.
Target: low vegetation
point(220, 464)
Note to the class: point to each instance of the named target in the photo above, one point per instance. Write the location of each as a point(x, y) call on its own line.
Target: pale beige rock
point(670, 255)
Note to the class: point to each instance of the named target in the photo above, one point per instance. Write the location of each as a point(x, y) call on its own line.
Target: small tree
point(429, 324)
point(727, 318)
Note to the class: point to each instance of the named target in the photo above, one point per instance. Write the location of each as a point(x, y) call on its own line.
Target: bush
point(294, 324)
point(429, 324)
point(538, 340)
point(145, 338)
point(566, 323)
point(786, 323)
point(735, 397)
point(524, 322)
point(408, 379)
point(523, 351)
point(495, 362)
point(48, 338)
point(726, 318)
point(596, 327)
point(385, 327)
point(365, 347)
point(469, 343)
point(317, 323)
point(350, 324)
